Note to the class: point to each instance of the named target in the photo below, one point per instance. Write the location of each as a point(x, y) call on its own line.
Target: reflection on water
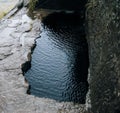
point(60, 60)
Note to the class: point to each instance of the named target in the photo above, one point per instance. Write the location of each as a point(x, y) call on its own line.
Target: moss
point(32, 5)
point(2, 14)
point(91, 4)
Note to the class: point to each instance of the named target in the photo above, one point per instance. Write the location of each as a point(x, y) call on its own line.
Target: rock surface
point(17, 37)
point(104, 50)
point(26, 2)
point(6, 6)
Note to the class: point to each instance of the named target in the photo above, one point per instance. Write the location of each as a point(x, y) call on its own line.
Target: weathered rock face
point(104, 50)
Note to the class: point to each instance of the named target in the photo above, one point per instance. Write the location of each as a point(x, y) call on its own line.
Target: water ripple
point(60, 60)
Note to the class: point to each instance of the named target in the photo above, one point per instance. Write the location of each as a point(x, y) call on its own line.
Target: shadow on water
point(60, 60)
point(62, 4)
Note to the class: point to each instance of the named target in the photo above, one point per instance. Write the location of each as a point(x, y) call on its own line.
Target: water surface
point(60, 60)
point(77, 5)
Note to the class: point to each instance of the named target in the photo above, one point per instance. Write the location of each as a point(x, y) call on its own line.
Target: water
point(60, 60)
point(77, 5)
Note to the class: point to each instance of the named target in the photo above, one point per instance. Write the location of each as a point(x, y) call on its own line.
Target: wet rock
point(104, 51)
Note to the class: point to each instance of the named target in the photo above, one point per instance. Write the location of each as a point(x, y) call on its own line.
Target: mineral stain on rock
point(6, 6)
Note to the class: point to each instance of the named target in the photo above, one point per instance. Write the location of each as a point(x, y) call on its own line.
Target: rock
point(104, 54)
point(26, 3)
point(15, 23)
point(15, 35)
point(24, 28)
point(2, 103)
point(6, 6)
point(26, 19)
point(20, 4)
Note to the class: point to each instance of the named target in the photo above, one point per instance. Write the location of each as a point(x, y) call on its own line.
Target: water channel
point(59, 65)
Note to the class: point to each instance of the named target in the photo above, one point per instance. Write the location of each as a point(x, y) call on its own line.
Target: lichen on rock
point(104, 40)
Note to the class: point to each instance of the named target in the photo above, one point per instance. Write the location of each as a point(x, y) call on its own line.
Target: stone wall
point(104, 53)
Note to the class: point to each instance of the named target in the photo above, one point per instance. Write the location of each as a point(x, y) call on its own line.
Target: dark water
point(60, 60)
point(62, 4)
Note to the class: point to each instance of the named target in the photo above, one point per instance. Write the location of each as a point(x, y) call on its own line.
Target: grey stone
point(24, 28)
point(26, 3)
point(15, 23)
